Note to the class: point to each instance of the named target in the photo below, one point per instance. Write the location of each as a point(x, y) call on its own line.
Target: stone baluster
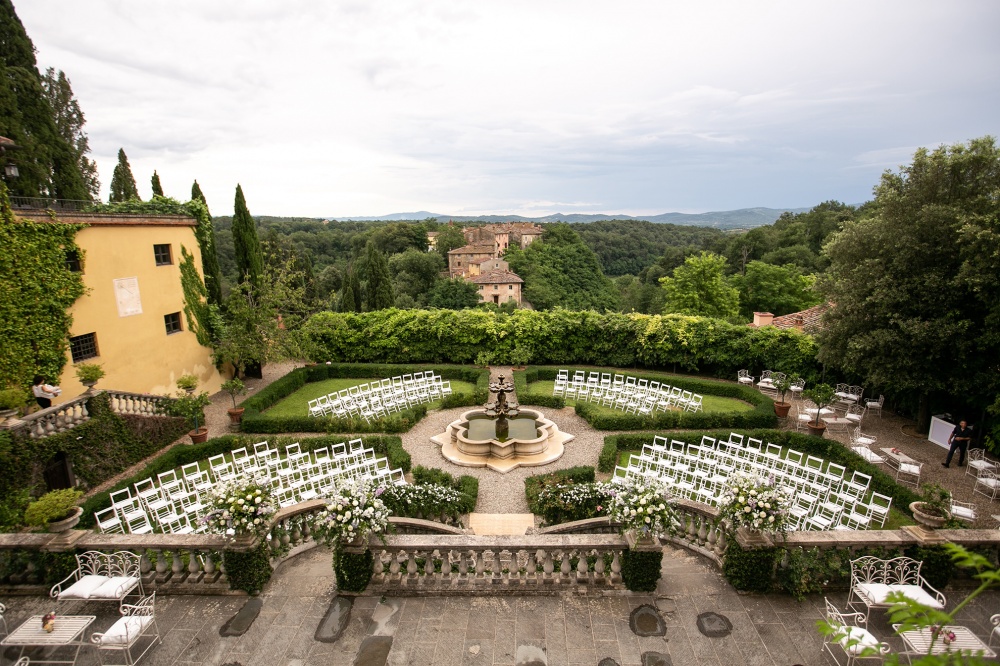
point(209, 564)
point(496, 566)
point(616, 566)
point(177, 567)
point(582, 568)
point(463, 563)
point(429, 564)
point(480, 556)
point(531, 565)
point(394, 564)
point(411, 563)
point(599, 568)
point(564, 565)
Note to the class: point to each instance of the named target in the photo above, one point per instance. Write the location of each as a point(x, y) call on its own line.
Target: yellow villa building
point(131, 320)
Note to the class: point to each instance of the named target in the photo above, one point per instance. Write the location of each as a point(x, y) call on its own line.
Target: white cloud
point(507, 105)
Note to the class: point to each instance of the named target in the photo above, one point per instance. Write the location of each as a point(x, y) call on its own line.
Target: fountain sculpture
point(502, 435)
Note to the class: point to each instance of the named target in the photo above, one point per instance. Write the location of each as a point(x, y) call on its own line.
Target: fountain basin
point(532, 440)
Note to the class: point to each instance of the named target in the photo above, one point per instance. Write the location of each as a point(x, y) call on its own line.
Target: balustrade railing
point(69, 414)
point(140, 404)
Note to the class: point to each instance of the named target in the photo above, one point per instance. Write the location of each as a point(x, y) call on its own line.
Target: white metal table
point(68, 632)
point(966, 642)
point(897, 457)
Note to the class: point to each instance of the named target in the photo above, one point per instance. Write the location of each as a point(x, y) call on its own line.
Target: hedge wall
point(560, 337)
point(255, 420)
point(827, 449)
point(385, 445)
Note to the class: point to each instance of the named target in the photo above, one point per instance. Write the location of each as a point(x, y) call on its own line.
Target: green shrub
point(534, 484)
point(249, 571)
point(938, 567)
point(35, 567)
point(608, 459)
point(749, 570)
point(353, 570)
point(89, 372)
point(465, 484)
point(641, 569)
point(52, 506)
point(13, 398)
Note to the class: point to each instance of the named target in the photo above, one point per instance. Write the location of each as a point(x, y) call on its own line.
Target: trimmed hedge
point(385, 445)
point(534, 484)
point(525, 397)
point(681, 343)
point(641, 569)
point(465, 484)
point(256, 421)
point(828, 449)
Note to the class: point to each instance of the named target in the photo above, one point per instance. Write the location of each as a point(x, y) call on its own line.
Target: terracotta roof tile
point(496, 277)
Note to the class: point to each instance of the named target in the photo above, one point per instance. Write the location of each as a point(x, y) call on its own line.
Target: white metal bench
point(101, 577)
point(874, 579)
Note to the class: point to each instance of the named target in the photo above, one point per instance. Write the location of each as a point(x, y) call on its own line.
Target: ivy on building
point(38, 288)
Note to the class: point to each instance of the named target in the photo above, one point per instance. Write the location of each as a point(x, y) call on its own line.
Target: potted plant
point(934, 510)
point(783, 385)
point(191, 406)
point(89, 374)
point(234, 387)
point(56, 510)
point(11, 401)
point(187, 383)
point(822, 395)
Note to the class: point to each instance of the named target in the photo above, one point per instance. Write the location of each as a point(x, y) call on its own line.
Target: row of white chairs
point(823, 497)
point(626, 393)
point(372, 400)
point(177, 500)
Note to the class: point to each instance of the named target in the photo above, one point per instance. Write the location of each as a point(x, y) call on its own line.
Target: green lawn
point(710, 403)
point(297, 404)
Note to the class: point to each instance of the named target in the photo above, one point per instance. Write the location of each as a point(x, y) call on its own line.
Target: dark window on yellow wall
point(173, 322)
point(73, 261)
point(84, 346)
point(162, 254)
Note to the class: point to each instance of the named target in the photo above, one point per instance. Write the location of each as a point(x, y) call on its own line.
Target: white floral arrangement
point(755, 502)
point(240, 507)
point(354, 512)
point(645, 506)
point(430, 499)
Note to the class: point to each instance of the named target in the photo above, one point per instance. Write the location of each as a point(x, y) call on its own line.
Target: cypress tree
point(122, 181)
point(379, 294)
point(249, 257)
point(157, 188)
point(209, 257)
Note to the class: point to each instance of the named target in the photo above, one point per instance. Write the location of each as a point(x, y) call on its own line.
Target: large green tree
point(70, 120)
point(700, 287)
point(559, 270)
point(779, 290)
point(449, 238)
point(415, 272)
point(378, 294)
point(915, 284)
point(453, 294)
point(249, 257)
point(46, 161)
point(350, 298)
point(205, 232)
point(122, 181)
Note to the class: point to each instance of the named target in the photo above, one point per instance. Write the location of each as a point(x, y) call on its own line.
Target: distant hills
point(743, 218)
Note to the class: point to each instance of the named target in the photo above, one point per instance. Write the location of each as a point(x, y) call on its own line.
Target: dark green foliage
point(687, 344)
point(205, 232)
point(628, 246)
point(350, 297)
point(353, 570)
point(415, 273)
point(534, 484)
point(449, 237)
point(69, 120)
point(157, 187)
point(249, 571)
point(123, 187)
point(749, 570)
point(453, 294)
point(608, 459)
point(379, 289)
point(561, 271)
point(641, 569)
point(37, 291)
point(779, 290)
point(465, 484)
point(35, 567)
point(815, 571)
point(699, 287)
point(249, 257)
point(938, 567)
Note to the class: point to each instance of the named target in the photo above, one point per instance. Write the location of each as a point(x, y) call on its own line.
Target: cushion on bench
point(862, 639)
point(83, 588)
point(876, 593)
point(125, 630)
point(114, 587)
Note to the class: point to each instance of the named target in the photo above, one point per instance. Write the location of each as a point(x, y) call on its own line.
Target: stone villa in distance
point(480, 260)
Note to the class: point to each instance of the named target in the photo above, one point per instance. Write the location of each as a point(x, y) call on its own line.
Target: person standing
point(959, 439)
point(43, 392)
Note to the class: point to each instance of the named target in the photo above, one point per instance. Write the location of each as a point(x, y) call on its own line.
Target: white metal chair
point(977, 463)
point(995, 621)
point(963, 511)
point(880, 506)
point(108, 521)
point(987, 484)
point(138, 621)
point(909, 473)
point(850, 634)
point(875, 405)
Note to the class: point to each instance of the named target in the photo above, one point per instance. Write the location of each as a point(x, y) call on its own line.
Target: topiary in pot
point(782, 386)
point(89, 374)
point(822, 395)
point(187, 383)
point(56, 510)
point(191, 407)
point(234, 387)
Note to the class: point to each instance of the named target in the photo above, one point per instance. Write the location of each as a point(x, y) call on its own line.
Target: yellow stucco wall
point(135, 351)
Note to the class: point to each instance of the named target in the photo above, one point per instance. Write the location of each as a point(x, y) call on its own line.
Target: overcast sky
point(530, 107)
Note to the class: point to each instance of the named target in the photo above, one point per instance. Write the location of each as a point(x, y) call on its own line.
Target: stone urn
point(66, 524)
point(90, 385)
point(927, 516)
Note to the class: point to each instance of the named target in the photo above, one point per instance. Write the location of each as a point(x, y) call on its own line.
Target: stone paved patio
point(524, 631)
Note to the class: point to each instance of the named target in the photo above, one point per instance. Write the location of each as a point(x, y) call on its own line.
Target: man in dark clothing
point(959, 439)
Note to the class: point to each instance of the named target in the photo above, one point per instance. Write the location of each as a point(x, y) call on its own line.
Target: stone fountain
point(502, 435)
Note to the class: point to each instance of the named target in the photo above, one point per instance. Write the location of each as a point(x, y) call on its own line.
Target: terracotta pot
point(922, 516)
point(198, 436)
point(781, 409)
point(66, 524)
point(235, 415)
point(816, 430)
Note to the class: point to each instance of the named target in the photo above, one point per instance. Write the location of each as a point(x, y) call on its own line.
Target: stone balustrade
point(67, 415)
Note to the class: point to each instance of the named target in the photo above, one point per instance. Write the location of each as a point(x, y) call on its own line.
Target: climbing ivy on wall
point(37, 290)
point(201, 316)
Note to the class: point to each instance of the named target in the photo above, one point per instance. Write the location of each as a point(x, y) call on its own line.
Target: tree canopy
point(378, 295)
point(122, 181)
point(453, 294)
point(699, 287)
point(249, 257)
point(779, 290)
point(69, 122)
point(915, 283)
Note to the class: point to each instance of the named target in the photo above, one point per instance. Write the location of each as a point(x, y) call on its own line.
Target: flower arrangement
point(355, 512)
point(645, 506)
point(240, 507)
point(427, 500)
point(753, 501)
point(566, 501)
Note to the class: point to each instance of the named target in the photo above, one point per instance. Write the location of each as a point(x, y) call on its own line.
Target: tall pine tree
point(249, 257)
point(209, 256)
point(379, 294)
point(70, 121)
point(122, 181)
point(47, 162)
point(155, 181)
point(350, 298)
